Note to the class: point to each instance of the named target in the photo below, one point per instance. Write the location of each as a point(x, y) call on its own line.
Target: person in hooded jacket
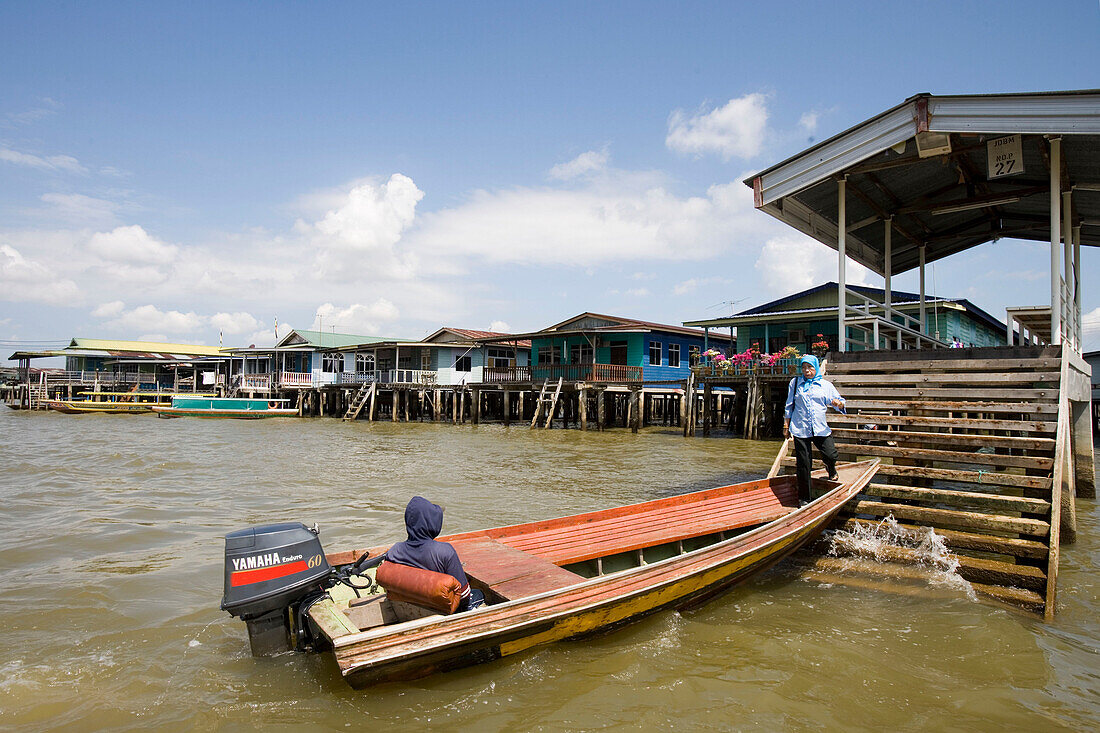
point(808, 399)
point(424, 522)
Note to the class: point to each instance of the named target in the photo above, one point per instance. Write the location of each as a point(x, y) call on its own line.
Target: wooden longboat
point(114, 403)
point(669, 553)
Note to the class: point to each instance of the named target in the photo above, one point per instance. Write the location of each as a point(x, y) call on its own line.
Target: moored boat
point(133, 402)
point(238, 407)
point(544, 581)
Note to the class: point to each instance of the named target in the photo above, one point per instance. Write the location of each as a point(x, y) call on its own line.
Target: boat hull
point(238, 414)
point(597, 605)
point(83, 407)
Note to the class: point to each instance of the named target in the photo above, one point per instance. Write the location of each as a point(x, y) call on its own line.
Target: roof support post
point(1077, 283)
point(922, 250)
point(1068, 285)
point(1055, 239)
point(841, 283)
point(706, 339)
point(887, 266)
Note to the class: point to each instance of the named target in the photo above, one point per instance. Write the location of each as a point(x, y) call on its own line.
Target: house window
point(674, 355)
point(549, 355)
point(426, 361)
point(693, 356)
point(581, 354)
point(776, 344)
point(655, 353)
point(463, 364)
point(501, 358)
point(332, 363)
point(364, 362)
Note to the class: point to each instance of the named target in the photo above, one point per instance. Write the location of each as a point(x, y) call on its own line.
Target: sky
point(202, 172)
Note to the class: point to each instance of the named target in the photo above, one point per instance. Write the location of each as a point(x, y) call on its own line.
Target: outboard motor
point(269, 572)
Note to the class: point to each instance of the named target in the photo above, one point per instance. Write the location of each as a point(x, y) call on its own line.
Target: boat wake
point(887, 541)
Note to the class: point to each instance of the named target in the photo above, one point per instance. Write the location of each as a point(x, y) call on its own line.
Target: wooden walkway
point(981, 445)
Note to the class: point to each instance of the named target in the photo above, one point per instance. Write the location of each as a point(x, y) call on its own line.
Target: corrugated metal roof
point(117, 348)
point(937, 202)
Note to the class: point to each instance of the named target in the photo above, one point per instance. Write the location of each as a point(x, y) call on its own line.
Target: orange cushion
point(437, 591)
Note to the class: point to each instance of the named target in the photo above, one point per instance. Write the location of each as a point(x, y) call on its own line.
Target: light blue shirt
point(806, 407)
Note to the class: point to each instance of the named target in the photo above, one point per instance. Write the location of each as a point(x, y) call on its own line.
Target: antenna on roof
point(730, 303)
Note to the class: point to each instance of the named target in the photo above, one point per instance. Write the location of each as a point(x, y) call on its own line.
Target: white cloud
point(792, 263)
point(109, 310)
point(80, 209)
point(131, 244)
point(736, 129)
point(808, 122)
point(50, 163)
point(696, 283)
point(584, 163)
point(149, 318)
point(359, 237)
point(1090, 331)
point(234, 322)
point(358, 319)
point(612, 219)
point(500, 327)
point(22, 279)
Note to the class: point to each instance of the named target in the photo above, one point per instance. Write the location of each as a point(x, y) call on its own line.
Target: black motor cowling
point(269, 571)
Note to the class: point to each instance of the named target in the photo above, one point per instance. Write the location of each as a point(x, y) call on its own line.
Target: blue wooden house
point(601, 348)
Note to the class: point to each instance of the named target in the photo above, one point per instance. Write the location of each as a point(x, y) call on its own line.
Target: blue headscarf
point(812, 361)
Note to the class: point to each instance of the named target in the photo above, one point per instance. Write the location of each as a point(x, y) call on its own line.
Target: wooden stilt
point(476, 407)
point(583, 408)
point(706, 409)
point(601, 411)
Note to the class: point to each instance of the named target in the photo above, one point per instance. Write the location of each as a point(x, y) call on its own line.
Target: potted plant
point(820, 347)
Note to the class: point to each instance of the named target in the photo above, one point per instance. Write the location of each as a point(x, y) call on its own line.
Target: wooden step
point(1048, 363)
point(1046, 394)
point(1022, 504)
point(1038, 408)
point(901, 578)
point(960, 540)
point(1030, 426)
point(951, 518)
point(983, 478)
point(1028, 600)
point(907, 437)
point(955, 379)
point(1039, 463)
point(972, 569)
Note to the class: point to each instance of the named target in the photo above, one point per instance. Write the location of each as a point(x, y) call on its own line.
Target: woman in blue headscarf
point(808, 398)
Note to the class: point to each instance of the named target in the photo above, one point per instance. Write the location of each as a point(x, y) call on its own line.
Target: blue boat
point(238, 407)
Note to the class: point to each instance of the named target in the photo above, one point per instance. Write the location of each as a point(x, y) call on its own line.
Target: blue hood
point(423, 519)
point(812, 361)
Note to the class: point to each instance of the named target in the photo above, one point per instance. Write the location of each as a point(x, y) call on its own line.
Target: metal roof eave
point(1051, 113)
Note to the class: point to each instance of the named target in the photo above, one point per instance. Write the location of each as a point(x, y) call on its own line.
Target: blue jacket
point(424, 522)
point(807, 403)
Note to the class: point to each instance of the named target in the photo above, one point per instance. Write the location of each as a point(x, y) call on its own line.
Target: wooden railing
point(507, 374)
point(388, 376)
point(256, 381)
point(587, 372)
point(295, 379)
point(728, 369)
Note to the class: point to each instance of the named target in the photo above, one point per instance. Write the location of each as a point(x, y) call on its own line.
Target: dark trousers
point(803, 453)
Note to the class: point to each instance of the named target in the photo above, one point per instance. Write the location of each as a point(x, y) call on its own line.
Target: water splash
point(919, 545)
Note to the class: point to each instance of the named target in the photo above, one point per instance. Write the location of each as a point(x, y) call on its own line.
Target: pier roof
point(925, 165)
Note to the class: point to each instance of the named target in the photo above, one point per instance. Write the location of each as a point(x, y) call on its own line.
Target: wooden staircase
point(550, 402)
point(974, 445)
point(367, 392)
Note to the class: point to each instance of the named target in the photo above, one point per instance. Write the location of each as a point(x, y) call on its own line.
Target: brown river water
point(111, 576)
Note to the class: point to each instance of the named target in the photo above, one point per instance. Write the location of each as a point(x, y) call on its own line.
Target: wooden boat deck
point(509, 572)
point(577, 538)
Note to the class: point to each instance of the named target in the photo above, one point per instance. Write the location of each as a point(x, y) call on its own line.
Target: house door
point(618, 353)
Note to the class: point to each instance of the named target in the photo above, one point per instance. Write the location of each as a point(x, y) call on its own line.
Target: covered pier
point(990, 447)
